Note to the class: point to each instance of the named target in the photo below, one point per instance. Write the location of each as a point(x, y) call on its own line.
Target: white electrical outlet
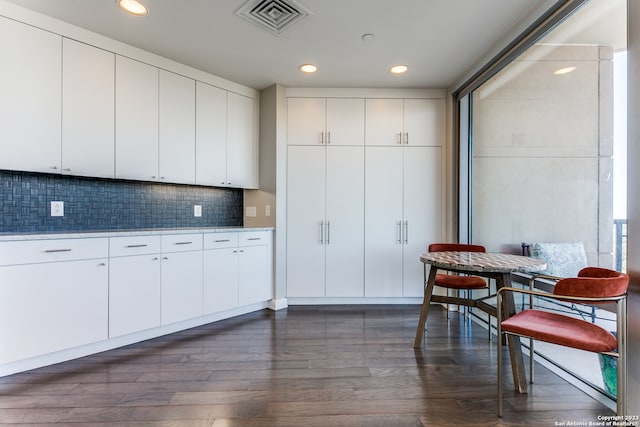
point(267, 210)
point(197, 210)
point(251, 211)
point(57, 208)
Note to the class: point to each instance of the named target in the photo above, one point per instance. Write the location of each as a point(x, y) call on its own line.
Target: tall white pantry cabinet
point(364, 194)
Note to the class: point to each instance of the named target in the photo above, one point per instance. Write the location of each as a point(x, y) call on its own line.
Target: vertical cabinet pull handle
point(322, 232)
point(322, 137)
point(399, 138)
point(400, 232)
point(406, 231)
point(328, 232)
point(406, 137)
point(328, 137)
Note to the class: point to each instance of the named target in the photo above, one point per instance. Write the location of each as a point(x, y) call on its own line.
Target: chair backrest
point(459, 247)
point(564, 259)
point(594, 282)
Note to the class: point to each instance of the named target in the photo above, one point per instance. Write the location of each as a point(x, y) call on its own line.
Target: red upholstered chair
point(592, 286)
point(457, 282)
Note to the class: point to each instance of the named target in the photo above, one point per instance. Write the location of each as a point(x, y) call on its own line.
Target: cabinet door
point(241, 150)
point(134, 294)
point(345, 121)
point(51, 307)
point(345, 222)
point(305, 222)
point(181, 281)
point(384, 122)
point(306, 121)
point(211, 135)
point(136, 120)
point(88, 87)
point(177, 128)
point(424, 122)
point(30, 105)
point(422, 211)
point(220, 280)
point(383, 239)
point(253, 275)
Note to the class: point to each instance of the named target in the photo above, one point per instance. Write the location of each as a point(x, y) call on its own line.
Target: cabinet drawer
point(254, 238)
point(52, 250)
point(181, 242)
point(134, 245)
point(220, 240)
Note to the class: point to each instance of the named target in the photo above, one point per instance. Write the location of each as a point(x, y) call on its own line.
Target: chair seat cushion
point(460, 282)
point(558, 329)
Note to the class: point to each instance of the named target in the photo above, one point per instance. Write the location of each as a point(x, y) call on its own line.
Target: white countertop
point(121, 233)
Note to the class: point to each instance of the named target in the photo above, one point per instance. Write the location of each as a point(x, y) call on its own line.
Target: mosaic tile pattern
point(93, 204)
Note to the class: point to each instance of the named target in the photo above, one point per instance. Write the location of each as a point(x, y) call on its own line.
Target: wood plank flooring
point(302, 366)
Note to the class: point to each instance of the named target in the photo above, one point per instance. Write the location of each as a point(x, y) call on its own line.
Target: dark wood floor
point(303, 366)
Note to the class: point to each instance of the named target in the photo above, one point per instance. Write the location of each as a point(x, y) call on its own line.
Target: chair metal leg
point(499, 336)
point(621, 332)
point(531, 356)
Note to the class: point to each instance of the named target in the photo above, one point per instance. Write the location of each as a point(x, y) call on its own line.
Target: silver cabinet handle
point(52, 251)
point(183, 243)
point(322, 137)
point(322, 232)
point(399, 232)
point(155, 258)
point(406, 137)
point(406, 231)
point(221, 241)
point(399, 138)
point(164, 257)
point(328, 137)
point(241, 251)
point(254, 238)
point(54, 167)
point(137, 246)
point(328, 232)
point(67, 169)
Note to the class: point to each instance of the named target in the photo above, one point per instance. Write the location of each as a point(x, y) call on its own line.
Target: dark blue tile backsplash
point(94, 204)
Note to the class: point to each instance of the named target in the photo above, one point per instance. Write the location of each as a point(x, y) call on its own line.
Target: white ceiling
point(440, 40)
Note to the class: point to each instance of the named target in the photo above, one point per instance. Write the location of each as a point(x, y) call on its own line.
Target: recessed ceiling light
point(398, 69)
point(308, 68)
point(133, 7)
point(564, 70)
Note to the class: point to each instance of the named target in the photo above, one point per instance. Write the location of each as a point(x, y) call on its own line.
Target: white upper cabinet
point(211, 135)
point(345, 121)
point(88, 86)
point(424, 122)
point(177, 128)
point(241, 149)
point(136, 120)
point(305, 121)
point(30, 98)
point(331, 121)
point(416, 122)
point(384, 121)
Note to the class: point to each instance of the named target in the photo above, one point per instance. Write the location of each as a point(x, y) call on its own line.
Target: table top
point(483, 262)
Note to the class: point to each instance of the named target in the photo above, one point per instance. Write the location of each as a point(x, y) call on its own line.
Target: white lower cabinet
point(53, 296)
point(236, 270)
point(78, 294)
point(181, 283)
point(134, 284)
point(406, 200)
point(325, 221)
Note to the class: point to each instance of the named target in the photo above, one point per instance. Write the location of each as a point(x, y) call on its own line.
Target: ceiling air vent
point(275, 16)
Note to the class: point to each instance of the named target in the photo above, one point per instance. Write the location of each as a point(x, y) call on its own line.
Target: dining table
point(496, 266)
